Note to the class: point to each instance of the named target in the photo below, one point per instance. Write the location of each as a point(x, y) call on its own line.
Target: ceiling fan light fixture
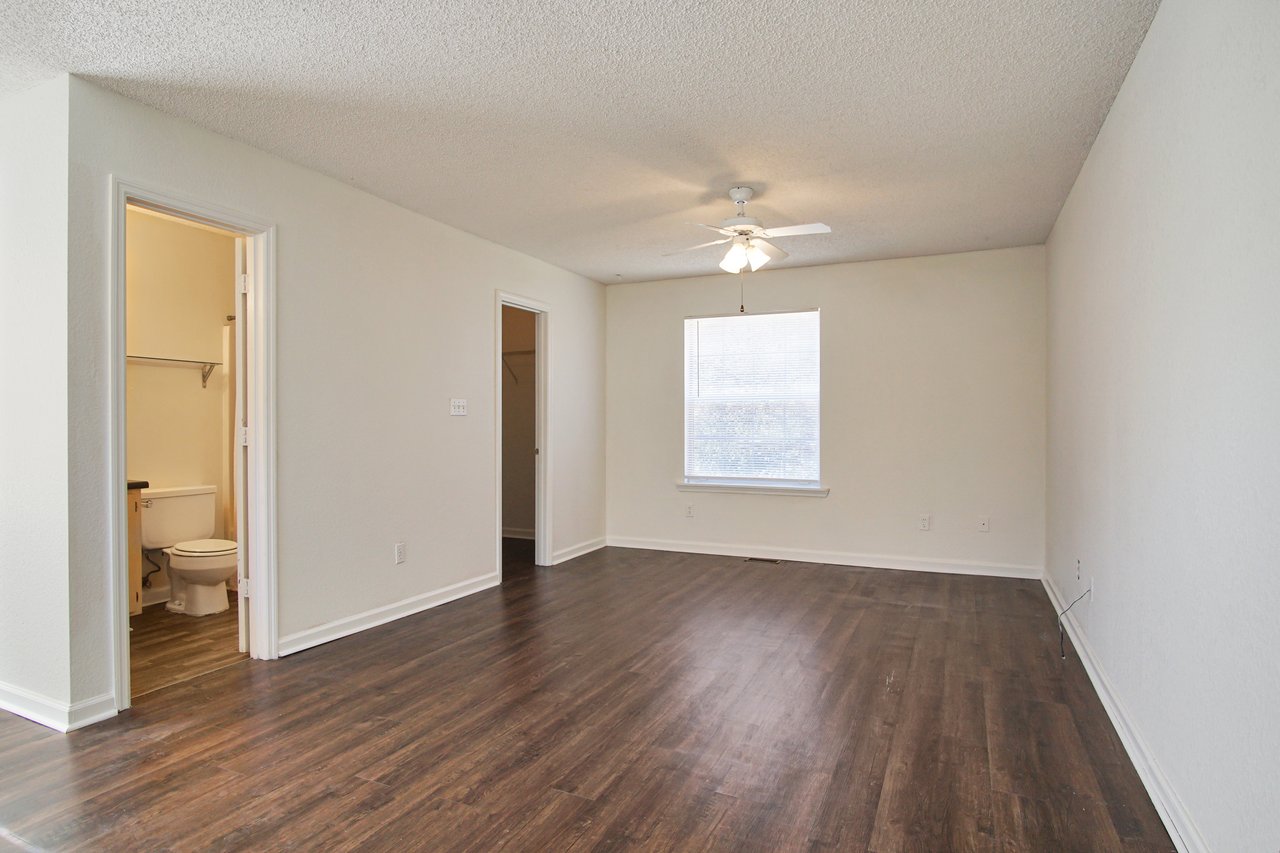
point(736, 258)
point(756, 256)
point(750, 248)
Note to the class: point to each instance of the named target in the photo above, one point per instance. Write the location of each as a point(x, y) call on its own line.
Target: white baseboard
point(565, 554)
point(348, 625)
point(33, 706)
point(89, 711)
point(1177, 820)
point(837, 558)
point(516, 533)
point(52, 713)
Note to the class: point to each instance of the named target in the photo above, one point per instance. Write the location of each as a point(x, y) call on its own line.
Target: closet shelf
point(507, 364)
point(206, 367)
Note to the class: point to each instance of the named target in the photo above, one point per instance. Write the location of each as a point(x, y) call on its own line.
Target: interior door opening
point(184, 403)
point(519, 437)
point(522, 380)
point(193, 440)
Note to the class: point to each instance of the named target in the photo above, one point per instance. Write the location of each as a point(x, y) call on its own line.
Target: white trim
point(1177, 820)
point(33, 706)
point(264, 629)
point(836, 558)
point(89, 711)
point(578, 550)
point(517, 533)
point(52, 713)
point(753, 313)
point(542, 427)
point(259, 236)
point(348, 625)
point(746, 489)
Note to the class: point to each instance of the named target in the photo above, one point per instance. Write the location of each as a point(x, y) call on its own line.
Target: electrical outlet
point(984, 524)
point(457, 407)
point(399, 553)
point(1077, 570)
point(688, 510)
point(926, 521)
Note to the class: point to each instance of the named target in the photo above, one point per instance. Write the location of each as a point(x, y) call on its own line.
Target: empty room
point(572, 426)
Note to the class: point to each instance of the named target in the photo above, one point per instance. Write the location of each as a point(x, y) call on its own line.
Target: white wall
point(933, 402)
point(1164, 412)
point(384, 315)
point(34, 620)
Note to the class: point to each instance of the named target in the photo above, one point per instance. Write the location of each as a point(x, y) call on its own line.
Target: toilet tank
point(174, 515)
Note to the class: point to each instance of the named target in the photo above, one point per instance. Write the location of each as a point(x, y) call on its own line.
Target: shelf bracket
point(206, 367)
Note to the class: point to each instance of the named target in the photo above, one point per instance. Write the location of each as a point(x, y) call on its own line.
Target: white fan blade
point(798, 230)
point(715, 228)
point(760, 253)
point(699, 246)
point(774, 253)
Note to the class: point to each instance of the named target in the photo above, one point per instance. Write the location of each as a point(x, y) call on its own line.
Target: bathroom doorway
point(192, 442)
point(521, 427)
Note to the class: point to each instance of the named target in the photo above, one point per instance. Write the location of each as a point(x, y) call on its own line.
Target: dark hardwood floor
point(625, 700)
point(166, 648)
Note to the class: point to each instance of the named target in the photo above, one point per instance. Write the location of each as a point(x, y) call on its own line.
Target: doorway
point(522, 450)
point(184, 387)
point(519, 441)
point(192, 438)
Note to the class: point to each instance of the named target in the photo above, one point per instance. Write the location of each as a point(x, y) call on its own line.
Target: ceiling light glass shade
point(735, 259)
point(756, 257)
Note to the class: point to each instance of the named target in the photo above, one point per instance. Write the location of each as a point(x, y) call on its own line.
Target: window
point(751, 400)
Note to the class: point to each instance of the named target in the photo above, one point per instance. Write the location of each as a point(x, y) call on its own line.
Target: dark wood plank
point(167, 648)
point(624, 700)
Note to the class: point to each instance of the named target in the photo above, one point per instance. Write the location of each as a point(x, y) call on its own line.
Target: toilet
point(178, 522)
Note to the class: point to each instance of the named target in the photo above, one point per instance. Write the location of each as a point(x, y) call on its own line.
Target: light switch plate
point(457, 407)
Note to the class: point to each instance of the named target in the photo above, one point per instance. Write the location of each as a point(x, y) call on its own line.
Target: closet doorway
point(521, 427)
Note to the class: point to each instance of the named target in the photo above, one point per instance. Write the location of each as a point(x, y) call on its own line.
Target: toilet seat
point(204, 548)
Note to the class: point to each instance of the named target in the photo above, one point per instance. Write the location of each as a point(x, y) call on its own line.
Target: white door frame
point(542, 434)
point(260, 340)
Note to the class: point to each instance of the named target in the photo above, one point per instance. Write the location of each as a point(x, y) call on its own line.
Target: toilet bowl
point(178, 522)
point(198, 575)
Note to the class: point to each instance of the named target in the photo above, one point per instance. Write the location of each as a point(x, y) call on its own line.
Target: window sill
point(744, 489)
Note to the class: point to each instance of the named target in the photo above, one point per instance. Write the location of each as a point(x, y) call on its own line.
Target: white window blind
point(751, 399)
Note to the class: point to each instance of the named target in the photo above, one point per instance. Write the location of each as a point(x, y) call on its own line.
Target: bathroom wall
point(180, 289)
point(519, 425)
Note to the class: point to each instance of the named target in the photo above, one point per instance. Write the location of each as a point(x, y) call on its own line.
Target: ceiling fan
point(747, 237)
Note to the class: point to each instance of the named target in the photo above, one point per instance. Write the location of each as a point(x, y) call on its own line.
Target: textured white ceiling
point(586, 132)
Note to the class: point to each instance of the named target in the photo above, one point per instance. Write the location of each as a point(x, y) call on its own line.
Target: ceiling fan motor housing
point(741, 224)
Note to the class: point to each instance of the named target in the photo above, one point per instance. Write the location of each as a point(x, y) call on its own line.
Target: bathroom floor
point(166, 648)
